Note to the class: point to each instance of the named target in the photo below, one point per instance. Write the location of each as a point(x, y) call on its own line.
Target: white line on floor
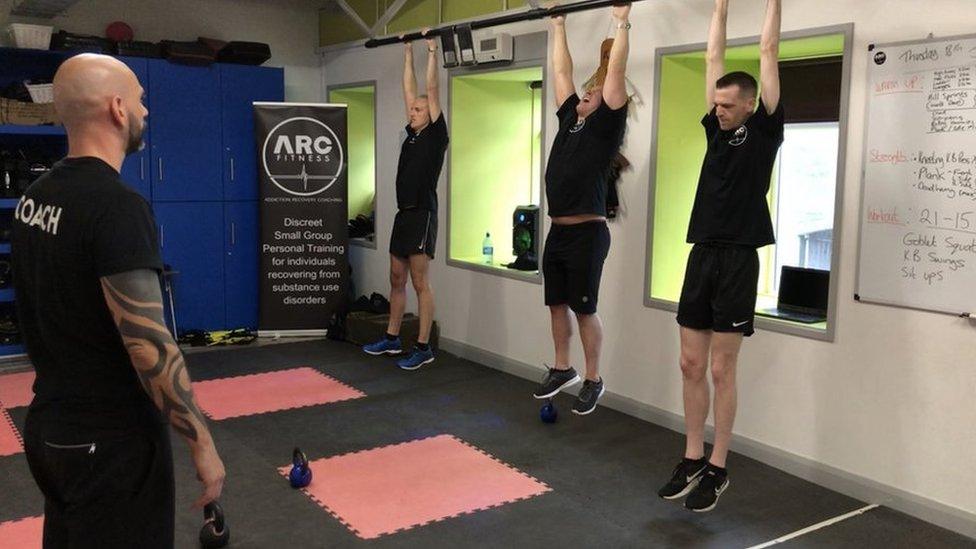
point(816, 527)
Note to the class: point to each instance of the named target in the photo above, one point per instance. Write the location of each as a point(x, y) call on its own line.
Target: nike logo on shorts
point(739, 324)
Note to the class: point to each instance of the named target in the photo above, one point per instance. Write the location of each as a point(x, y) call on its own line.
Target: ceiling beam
point(355, 17)
point(387, 17)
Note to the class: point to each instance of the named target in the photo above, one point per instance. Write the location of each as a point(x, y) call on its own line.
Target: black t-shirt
point(730, 205)
point(76, 224)
point(580, 161)
point(421, 160)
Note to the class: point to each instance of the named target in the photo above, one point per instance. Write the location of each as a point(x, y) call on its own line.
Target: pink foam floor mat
point(25, 533)
point(10, 441)
point(16, 389)
point(269, 392)
point(394, 488)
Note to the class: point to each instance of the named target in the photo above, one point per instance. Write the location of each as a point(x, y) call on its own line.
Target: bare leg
point(694, 363)
point(398, 293)
point(591, 334)
point(562, 332)
point(419, 269)
point(725, 356)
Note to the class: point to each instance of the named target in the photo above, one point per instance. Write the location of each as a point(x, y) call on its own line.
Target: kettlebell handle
point(298, 459)
point(214, 513)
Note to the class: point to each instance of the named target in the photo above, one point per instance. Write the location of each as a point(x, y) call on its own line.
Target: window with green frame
point(361, 102)
point(802, 192)
point(495, 161)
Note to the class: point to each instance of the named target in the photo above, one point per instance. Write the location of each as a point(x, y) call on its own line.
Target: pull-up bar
point(535, 13)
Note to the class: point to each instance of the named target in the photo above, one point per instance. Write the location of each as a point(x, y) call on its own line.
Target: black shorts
point(573, 264)
point(110, 492)
point(719, 291)
point(414, 232)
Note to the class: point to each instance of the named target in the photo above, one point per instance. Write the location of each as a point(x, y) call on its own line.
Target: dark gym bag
point(245, 53)
point(187, 53)
point(66, 41)
point(137, 48)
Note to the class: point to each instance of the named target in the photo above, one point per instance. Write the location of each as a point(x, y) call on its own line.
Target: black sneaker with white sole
point(588, 395)
point(555, 381)
point(684, 479)
point(705, 496)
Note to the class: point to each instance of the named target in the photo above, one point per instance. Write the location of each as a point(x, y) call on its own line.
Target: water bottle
point(487, 250)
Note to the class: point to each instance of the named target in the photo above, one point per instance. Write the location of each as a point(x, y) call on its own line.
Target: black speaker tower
point(525, 245)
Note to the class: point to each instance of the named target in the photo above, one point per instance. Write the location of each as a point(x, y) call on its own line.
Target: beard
point(135, 142)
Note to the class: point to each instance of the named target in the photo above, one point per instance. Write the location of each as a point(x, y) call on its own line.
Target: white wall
point(289, 26)
point(891, 400)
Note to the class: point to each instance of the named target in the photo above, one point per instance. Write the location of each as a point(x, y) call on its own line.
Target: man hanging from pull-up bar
point(415, 227)
point(729, 222)
point(591, 131)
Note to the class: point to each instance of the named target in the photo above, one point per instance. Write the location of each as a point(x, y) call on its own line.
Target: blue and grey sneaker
point(588, 395)
point(384, 347)
point(555, 381)
point(416, 359)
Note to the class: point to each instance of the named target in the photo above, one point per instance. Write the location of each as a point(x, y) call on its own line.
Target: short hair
point(423, 96)
point(747, 84)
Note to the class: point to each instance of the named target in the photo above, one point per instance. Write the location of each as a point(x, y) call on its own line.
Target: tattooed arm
point(136, 304)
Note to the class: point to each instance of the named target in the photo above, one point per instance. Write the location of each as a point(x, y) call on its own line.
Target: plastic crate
point(41, 93)
point(35, 37)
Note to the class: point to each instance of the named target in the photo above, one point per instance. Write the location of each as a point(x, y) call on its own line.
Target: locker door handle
point(162, 236)
point(160, 161)
point(233, 234)
point(232, 168)
point(142, 168)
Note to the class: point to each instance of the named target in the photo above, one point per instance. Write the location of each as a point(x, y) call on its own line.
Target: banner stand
point(302, 176)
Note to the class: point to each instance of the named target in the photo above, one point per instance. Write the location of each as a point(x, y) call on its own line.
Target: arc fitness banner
point(302, 176)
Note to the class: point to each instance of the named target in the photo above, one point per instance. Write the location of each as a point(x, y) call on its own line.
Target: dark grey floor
point(604, 469)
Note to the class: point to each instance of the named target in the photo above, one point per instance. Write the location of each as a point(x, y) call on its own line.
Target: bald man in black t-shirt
point(110, 378)
point(729, 221)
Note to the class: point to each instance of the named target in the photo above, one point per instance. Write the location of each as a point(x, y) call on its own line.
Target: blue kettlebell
point(301, 474)
point(548, 413)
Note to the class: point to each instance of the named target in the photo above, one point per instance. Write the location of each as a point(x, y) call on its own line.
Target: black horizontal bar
point(535, 13)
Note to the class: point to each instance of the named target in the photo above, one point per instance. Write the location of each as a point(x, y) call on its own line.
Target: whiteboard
point(918, 197)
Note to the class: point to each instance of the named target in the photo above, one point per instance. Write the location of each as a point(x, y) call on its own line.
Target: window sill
point(496, 269)
point(364, 242)
point(821, 331)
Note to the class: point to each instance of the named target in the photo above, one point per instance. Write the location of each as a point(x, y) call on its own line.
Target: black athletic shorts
point(573, 264)
point(719, 291)
point(110, 492)
point(414, 232)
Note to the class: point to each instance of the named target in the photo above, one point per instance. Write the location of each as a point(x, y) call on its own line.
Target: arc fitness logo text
point(302, 156)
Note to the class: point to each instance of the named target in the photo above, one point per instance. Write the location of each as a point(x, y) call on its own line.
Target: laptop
point(802, 295)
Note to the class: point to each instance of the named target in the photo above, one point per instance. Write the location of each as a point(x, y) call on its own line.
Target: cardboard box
point(26, 114)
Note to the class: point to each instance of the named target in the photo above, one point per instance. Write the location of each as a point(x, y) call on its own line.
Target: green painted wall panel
point(361, 146)
point(456, 10)
point(336, 27)
point(368, 10)
point(414, 15)
point(495, 144)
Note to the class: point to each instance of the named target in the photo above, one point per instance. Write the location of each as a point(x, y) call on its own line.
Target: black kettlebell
point(215, 532)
